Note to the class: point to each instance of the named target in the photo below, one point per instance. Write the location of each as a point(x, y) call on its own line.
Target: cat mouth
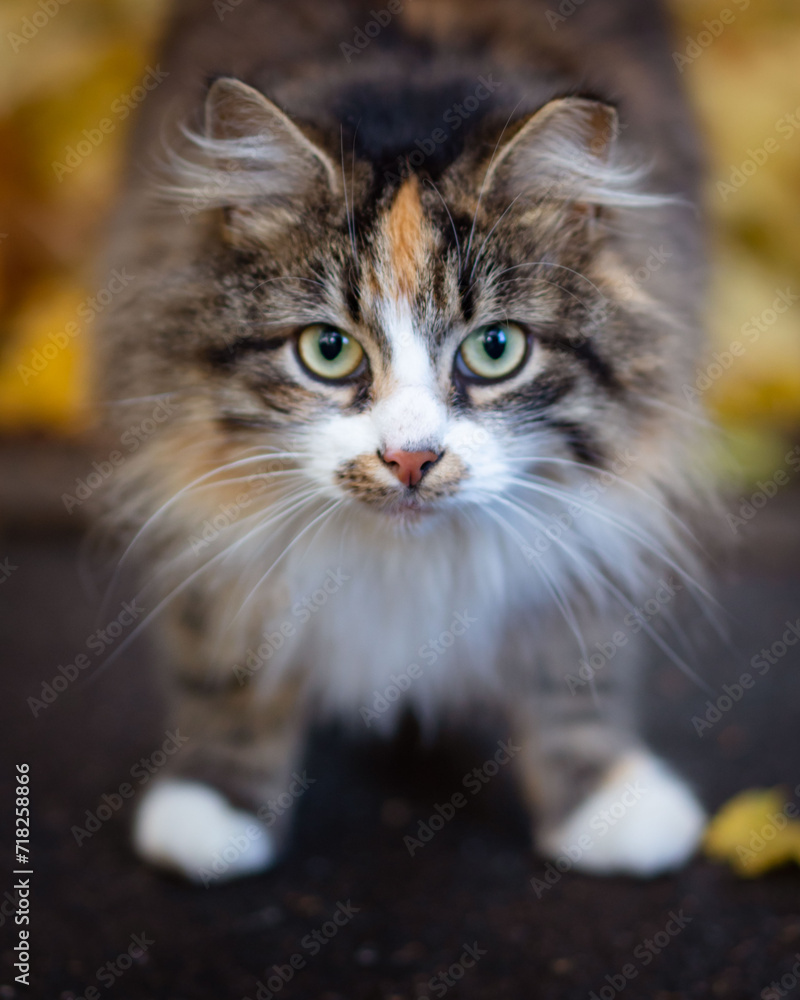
point(410, 505)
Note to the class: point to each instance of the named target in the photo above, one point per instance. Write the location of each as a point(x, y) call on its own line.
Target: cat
point(418, 288)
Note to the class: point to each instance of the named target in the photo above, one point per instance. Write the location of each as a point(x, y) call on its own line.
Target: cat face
point(396, 395)
point(418, 345)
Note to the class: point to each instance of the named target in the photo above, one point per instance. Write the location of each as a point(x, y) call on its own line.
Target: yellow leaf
point(752, 833)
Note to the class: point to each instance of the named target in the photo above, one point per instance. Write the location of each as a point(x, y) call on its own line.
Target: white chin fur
point(643, 820)
point(190, 828)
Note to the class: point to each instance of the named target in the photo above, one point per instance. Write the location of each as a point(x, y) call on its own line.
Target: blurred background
point(57, 82)
point(745, 86)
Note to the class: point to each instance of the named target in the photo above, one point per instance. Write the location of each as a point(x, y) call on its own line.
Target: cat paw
point(643, 820)
point(190, 828)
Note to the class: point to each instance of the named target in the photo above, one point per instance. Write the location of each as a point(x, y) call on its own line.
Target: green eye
point(328, 352)
point(494, 351)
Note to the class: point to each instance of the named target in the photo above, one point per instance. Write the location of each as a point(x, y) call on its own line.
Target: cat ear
point(250, 158)
point(245, 127)
point(566, 151)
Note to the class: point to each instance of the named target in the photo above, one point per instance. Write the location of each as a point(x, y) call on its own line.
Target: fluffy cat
point(417, 289)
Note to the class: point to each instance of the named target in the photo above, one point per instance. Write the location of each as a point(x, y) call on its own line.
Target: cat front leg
point(223, 806)
point(604, 802)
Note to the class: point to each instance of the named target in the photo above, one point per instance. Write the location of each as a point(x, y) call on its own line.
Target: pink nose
point(409, 466)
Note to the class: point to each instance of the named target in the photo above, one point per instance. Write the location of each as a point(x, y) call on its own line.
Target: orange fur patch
point(404, 233)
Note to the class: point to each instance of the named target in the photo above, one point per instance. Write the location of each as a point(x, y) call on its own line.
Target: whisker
point(695, 416)
point(450, 217)
point(549, 263)
point(178, 590)
point(609, 518)
point(604, 582)
point(554, 284)
point(353, 188)
point(556, 592)
point(295, 540)
point(486, 178)
point(170, 503)
point(712, 619)
point(639, 490)
point(350, 225)
point(489, 235)
point(276, 512)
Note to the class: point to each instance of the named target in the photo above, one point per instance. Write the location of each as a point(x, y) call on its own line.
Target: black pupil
point(331, 343)
point(494, 342)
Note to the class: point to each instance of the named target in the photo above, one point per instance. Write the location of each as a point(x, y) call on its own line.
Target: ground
point(463, 902)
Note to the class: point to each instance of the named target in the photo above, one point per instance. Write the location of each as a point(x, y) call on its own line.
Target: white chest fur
point(374, 616)
point(428, 612)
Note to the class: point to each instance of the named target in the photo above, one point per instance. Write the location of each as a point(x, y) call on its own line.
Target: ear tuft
point(568, 151)
point(249, 153)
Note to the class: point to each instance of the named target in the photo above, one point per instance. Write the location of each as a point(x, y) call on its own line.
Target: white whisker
point(555, 590)
point(294, 541)
point(168, 504)
point(486, 178)
point(651, 544)
point(594, 571)
point(181, 587)
point(450, 217)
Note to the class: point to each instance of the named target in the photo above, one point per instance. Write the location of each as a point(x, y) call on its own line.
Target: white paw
point(643, 820)
point(190, 828)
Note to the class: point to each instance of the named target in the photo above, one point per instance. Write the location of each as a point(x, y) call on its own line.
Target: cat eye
point(494, 351)
point(328, 352)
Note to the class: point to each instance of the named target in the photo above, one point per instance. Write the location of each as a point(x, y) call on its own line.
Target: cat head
point(412, 343)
